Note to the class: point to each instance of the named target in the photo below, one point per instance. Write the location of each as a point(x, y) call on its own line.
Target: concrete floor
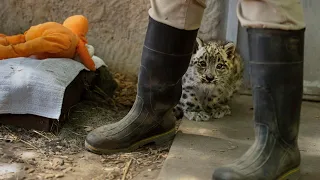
point(200, 147)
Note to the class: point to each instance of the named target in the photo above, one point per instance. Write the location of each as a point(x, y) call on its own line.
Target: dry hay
point(126, 92)
point(118, 92)
point(58, 157)
point(68, 147)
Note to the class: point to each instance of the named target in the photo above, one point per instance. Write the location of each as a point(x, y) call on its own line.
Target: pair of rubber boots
point(276, 71)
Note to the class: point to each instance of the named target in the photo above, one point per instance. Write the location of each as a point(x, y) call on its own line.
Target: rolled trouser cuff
point(186, 14)
point(271, 14)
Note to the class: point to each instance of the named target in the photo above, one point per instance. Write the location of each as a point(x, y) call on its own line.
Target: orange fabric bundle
point(50, 40)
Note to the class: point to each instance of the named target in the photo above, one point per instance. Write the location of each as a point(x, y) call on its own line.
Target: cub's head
point(216, 62)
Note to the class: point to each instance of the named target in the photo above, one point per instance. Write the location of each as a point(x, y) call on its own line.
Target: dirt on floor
point(31, 154)
point(38, 155)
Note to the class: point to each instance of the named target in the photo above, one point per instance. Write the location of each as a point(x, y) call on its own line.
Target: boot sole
point(293, 174)
point(157, 139)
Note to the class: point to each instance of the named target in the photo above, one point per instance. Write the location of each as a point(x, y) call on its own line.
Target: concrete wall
point(312, 44)
point(117, 27)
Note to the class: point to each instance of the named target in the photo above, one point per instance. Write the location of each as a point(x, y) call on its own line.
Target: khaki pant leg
point(273, 14)
point(181, 14)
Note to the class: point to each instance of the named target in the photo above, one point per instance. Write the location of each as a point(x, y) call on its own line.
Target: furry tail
point(178, 112)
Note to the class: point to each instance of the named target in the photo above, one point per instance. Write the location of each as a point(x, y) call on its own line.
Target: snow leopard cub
point(213, 76)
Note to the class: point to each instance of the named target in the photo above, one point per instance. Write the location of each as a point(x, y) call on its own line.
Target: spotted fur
point(213, 76)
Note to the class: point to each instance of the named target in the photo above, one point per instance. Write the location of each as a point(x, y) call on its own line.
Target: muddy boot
point(277, 75)
point(165, 58)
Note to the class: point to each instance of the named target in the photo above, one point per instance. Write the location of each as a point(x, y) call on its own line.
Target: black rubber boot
point(277, 76)
point(165, 58)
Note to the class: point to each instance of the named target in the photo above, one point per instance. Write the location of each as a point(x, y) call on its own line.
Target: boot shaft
point(276, 71)
point(166, 56)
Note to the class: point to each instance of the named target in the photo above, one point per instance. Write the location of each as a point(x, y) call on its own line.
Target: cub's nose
point(209, 77)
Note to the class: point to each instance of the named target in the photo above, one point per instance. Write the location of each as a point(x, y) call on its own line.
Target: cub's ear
point(230, 49)
point(198, 44)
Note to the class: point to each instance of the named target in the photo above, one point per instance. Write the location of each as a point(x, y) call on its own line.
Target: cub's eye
point(220, 66)
point(202, 64)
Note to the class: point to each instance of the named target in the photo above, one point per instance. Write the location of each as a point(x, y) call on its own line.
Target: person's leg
point(276, 45)
point(169, 42)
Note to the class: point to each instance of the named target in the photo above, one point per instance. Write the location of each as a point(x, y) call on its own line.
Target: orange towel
point(50, 40)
